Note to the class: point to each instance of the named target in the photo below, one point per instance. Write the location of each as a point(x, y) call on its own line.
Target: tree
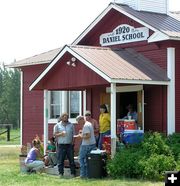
point(9, 96)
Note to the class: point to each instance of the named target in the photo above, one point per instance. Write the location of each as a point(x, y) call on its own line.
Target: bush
point(148, 160)
point(173, 142)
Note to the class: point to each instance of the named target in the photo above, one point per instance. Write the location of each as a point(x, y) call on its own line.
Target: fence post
point(8, 132)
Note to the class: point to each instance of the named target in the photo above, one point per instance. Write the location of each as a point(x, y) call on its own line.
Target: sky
point(30, 27)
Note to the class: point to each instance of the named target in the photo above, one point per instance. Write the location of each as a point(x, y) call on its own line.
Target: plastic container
point(96, 165)
point(23, 167)
point(133, 136)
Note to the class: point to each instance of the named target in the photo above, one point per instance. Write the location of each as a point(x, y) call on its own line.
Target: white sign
point(124, 34)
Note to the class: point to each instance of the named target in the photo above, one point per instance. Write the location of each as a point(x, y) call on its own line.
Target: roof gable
point(118, 66)
point(164, 26)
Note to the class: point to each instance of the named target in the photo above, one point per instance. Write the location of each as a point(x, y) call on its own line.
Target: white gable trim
point(63, 51)
point(158, 36)
point(55, 60)
point(92, 67)
point(92, 25)
point(96, 21)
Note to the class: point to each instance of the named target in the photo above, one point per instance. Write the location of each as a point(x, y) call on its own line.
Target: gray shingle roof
point(162, 22)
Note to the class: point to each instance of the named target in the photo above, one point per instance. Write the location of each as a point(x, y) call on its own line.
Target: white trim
point(64, 101)
point(52, 121)
point(142, 110)
point(158, 36)
point(48, 68)
point(171, 91)
point(45, 120)
point(113, 119)
point(92, 67)
point(134, 18)
point(80, 103)
point(142, 82)
point(84, 101)
point(84, 61)
point(98, 19)
point(21, 109)
point(133, 88)
point(92, 25)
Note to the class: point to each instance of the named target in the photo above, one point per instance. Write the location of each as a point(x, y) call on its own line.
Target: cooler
point(133, 136)
point(106, 144)
point(124, 124)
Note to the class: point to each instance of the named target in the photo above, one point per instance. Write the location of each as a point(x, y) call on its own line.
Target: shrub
point(155, 166)
point(173, 142)
point(148, 160)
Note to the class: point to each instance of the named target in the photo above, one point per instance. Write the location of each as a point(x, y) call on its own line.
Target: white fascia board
point(158, 36)
point(134, 18)
point(55, 60)
point(140, 82)
point(63, 51)
point(129, 88)
point(92, 25)
point(92, 67)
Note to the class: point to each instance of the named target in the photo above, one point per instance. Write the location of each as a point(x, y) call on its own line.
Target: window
point(55, 104)
point(74, 104)
point(63, 101)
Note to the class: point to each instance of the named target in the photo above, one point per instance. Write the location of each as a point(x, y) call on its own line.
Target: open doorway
point(124, 99)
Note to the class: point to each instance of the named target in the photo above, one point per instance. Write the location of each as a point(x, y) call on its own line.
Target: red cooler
point(129, 124)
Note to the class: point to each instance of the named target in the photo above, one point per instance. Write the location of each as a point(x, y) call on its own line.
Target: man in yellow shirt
point(104, 124)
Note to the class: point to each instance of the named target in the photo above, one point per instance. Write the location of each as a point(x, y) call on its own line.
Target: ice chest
point(133, 136)
point(124, 124)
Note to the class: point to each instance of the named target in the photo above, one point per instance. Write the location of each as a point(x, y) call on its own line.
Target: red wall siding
point(32, 105)
point(66, 77)
point(155, 108)
point(106, 25)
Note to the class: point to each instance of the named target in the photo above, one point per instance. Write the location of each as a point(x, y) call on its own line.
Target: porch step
point(54, 171)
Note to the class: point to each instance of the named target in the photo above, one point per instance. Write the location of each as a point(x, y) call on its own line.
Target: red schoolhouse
point(129, 54)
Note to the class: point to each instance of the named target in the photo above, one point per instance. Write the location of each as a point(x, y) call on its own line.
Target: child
point(51, 159)
point(34, 159)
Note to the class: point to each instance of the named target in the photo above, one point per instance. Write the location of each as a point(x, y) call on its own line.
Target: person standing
point(104, 123)
point(94, 124)
point(88, 144)
point(64, 132)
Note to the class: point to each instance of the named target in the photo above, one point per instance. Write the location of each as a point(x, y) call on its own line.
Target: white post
point(84, 102)
point(45, 120)
point(113, 119)
point(21, 109)
point(171, 91)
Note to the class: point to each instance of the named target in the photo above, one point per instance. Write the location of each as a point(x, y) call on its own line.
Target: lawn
point(14, 137)
point(10, 175)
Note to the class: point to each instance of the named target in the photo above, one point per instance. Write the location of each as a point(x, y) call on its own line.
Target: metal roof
point(162, 22)
point(42, 58)
point(114, 65)
point(125, 64)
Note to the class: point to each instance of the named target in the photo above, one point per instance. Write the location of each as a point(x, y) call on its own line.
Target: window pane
point(55, 111)
point(74, 103)
point(55, 104)
point(55, 97)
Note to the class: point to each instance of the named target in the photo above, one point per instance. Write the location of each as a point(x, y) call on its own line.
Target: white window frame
point(65, 106)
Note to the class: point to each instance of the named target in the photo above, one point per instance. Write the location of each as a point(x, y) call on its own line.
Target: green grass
point(14, 137)
point(10, 175)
